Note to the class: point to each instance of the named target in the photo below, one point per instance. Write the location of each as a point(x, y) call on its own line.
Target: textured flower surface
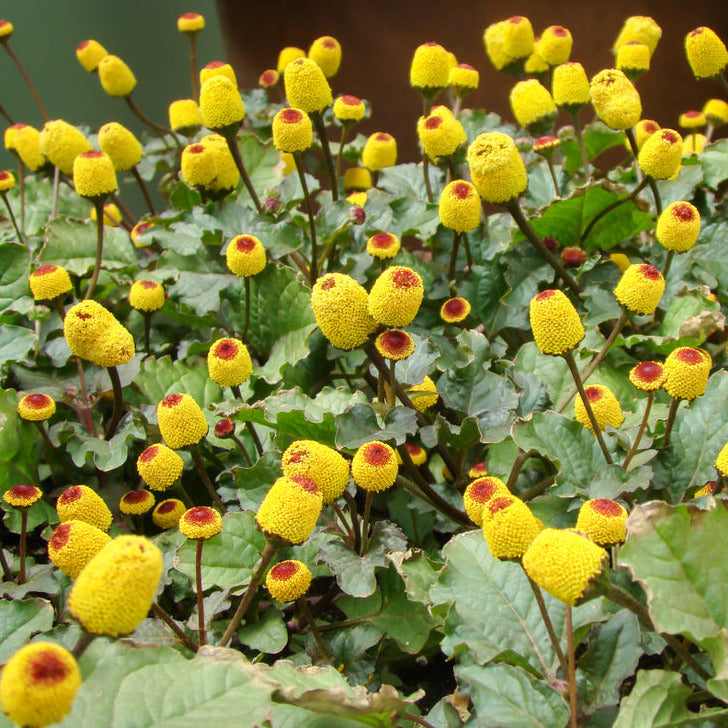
point(603, 520)
point(604, 405)
point(147, 296)
point(218, 68)
point(288, 580)
point(640, 288)
point(554, 45)
point(292, 130)
point(687, 371)
point(640, 29)
point(22, 496)
point(348, 109)
point(159, 466)
point(245, 256)
point(60, 142)
point(120, 145)
point(460, 208)
point(322, 464)
point(716, 112)
point(555, 324)
point(94, 175)
point(518, 40)
point(229, 363)
point(184, 116)
point(615, 99)
point(661, 154)
point(93, 333)
point(678, 226)
point(455, 310)
point(430, 68)
point(290, 508)
point(424, 395)
point(463, 79)
point(479, 493)
point(383, 245)
point(190, 23)
point(396, 296)
point(706, 52)
point(116, 77)
point(326, 52)
point(136, 502)
point(36, 407)
point(200, 523)
point(79, 502)
point(374, 466)
point(380, 151)
point(395, 344)
point(496, 167)
point(509, 527)
point(89, 54)
point(306, 86)
point(73, 544)
point(181, 421)
point(221, 105)
point(570, 85)
point(648, 376)
point(441, 135)
point(167, 513)
point(531, 103)
point(288, 55)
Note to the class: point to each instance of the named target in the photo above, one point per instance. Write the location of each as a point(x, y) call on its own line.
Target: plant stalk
point(582, 148)
point(118, 403)
point(205, 478)
point(202, 638)
point(167, 619)
point(670, 422)
point(193, 67)
point(633, 450)
point(143, 188)
point(306, 613)
point(144, 119)
point(246, 322)
point(23, 544)
point(538, 594)
point(29, 83)
point(99, 205)
point(4, 195)
point(311, 216)
point(230, 138)
point(365, 523)
point(454, 255)
point(572, 668)
point(318, 122)
point(653, 186)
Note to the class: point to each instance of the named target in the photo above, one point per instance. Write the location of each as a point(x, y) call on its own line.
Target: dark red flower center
point(465, 66)
point(455, 307)
point(649, 371)
point(329, 43)
point(4, 175)
point(136, 496)
point(376, 455)
point(461, 190)
point(500, 504)
point(23, 491)
point(328, 283)
point(544, 295)
point(683, 212)
point(167, 506)
point(650, 126)
point(433, 122)
point(383, 137)
point(190, 16)
point(306, 483)
point(606, 507)
point(350, 100)
point(670, 137)
point(60, 536)
point(479, 468)
point(245, 243)
point(594, 394)
point(299, 454)
point(516, 19)
point(142, 226)
point(696, 32)
point(215, 64)
point(284, 571)
point(74, 493)
point(270, 76)
point(413, 449)
point(383, 241)
point(482, 490)
point(690, 356)
point(291, 116)
point(149, 285)
point(92, 154)
point(650, 272)
point(149, 454)
point(226, 349)
point(395, 341)
point(47, 667)
point(172, 400)
point(405, 278)
point(692, 114)
point(195, 149)
point(559, 31)
point(83, 44)
point(37, 401)
point(201, 516)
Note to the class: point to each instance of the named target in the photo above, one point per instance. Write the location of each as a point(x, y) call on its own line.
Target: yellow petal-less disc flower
point(493, 38)
point(116, 77)
point(570, 86)
point(89, 54)
point(535, 65)
point(640, 288)
point(10, 136)
point(73, 544)
point(615, 99)
point(687, 370)
point(306, 86)
point(694, 144)
point(218, 68)
point(49, 281)
point(136, 233)
point(648, 376)
point(374, 466)
point(36, 407)
point(190, 23)
point(564, 563)
point(122, 147)
point(417, 454)
point(555, 323)
point(721, 462)
point(245, 256)
point(643, 130)
point(326, 467)
point(200, 523)
point(268, 78)
point(716, 112)
point(478, 470)
point(160, 467)
point(22, 496)
point(221, 105)
point(81, 503)
point(463, 79)
point(440, 135)
point(7, 180)
point(394, 344)
point(423, 395)
point(167, 513)
point(290, 508)
point(136, 502)
point(198, 165)
point(554, 45)
point(429, 68)
point(706, 52)
point(93, 333)
point(380, 151)
point(226, 172)
point(61, 143)
point(509, 527)
point(604, 405)
point(396, 296)
point(292, 130)
point(639, 28)
point(229, 363)
point(383, 245)
point(661, 155)
point(532, 104)
point(6, 30)
point(633, 58)
point(460, 207)
point(185, 116)
point(358, 198)
point(349, 109)
point(479, 493)
point(93, 175)
point(288, 55)
point(147, 296)
point(112, 214)
point(496, 167)
point(678, 226)
point(455, 310)
point(518, 39)
point(27, 146)
point(603, 520)
point(181, 421)
point(288, 580)
point(326, 52)
point(38, 684)
point(340, 306)
point(707, 489)
point(114, 593)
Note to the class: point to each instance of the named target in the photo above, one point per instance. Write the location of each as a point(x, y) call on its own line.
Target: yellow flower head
point(292, 130)
point(221, 105)
point(640, 288)
point(229, 363)
point(6, 30)
point(146, 296)
point(380, 151)
point(661, 155)
point(395, 344)
point(245, 256)
point(358, 199)
point(226, 173)
point(93, 333)
point(185, 116)
point(532, 104)
point(120, 145)
point(648, 376)
point(570, 86)
point(545, 146)
point(218, 68)
point(706, 52)
point(509, 527)
point(22, 496)
point(116, 77)
point(10, 136)
point(417, 454)
point(604, 405)
point(94, 175)
point(423, 395)
point(687, 370)
point(694, 144)
point(306, 86)
point(73, 544)
point(339, 304)
point(716, 112)
point(167, 513)
point(159, 467)
point(49, 281)
point(460, 207)
point(326, 467)
point(38, 683)
point(181, 421)
point(326, 52)
point(374, 466)
point(137, 231)
point(478, 470)
point(721, 462)
point(200, 523)
point(287, 55)
point(349, 109)
point(268, 78)
point(290, 508)
point(633, 58)
point(535, 65)
point(707, 489)
point(27, 146)
point(479, 493)
point(640, 29)
point(430, 68)
point(112, 214)
point(190, 23)
point(455, 310)
point(496, 167)
point(563, 563)
point(518, 40)
point(440, 135)
point(615, 99)
point(463, 79)
point(603, 520)
point(36, 407)
point(554, 45)
point(643, 130)
point(288, 580)
point(493, 38)
point(115, 591)
point(7, 180)
point(89, 54)
point(396, 296)
point(555, 323)
point(81, 503)
point(678, 226)
point(61, 143)
point(136, 502)
point(383, 245)
point(198, 165)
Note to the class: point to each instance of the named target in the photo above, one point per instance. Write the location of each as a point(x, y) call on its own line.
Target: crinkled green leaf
point(20, 619)
point(598, 137)
point(714, 161)
point(361, 423)
point(14, 272)
point(159, 377)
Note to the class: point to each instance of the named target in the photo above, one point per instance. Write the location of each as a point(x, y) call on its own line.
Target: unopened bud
point(357, 216)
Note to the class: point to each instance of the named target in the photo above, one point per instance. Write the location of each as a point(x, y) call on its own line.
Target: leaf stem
point(365, 523)
point(426, 493)
point(550, 164)
point(668, 263)
point(193, 66)
point(143, 188)
point(23, 544)
point(4, 195)
point(144, 119)
point(246, 322)
point(230, 138)
point(454, 255)
point(33, 92)
point(580, 139)
point(633, 450)
point(342, 141)
point(537, 593)
point(426, 176)
point(84, 640)
point(306, 612)
point(670, 422)
point(167, 619)
point(636, 152)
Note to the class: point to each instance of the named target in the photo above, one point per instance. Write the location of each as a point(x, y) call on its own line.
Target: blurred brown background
point(378, 38)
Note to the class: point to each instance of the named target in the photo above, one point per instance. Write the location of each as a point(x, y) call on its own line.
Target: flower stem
point(12, 218)
point(239, 443)
point(202, 638)
point(99, 205)
point(235, 151)
point(392, 385)
point(537, 593)
point(423, 490)
point(311, 217)
point(246, 322)
point(147, 332)
point(426, 177)
point(23, 544)
point(84, 640)
point(454, 255)
point(146, 120)
point(580, 140)
point(21, 189)
point(365, 523)
point(118, 402)
point(668, 263)
point(167, 619)
point(34, 93)
point(355, 523)
point(306, 612)
point(143, 188)
point(318, 122)
point(572, 668)
point(553, 177)
point(5, 566)
point(653, 186)
point(342, 141)
point(670, 422)
point(193, 66)
point(347, 526)
point(205, 478)
point(633, 450)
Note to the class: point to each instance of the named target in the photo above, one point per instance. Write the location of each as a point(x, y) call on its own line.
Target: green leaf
point(201, 291)
point(19, 619)
point(361, 423)
point(407, 180)
point(19, 444)
point(714, 161)
point(106, 455)
point(159, 377)
point(15, 343)
point(269, 634)
point(690, 314)
point(260, 162)
point(682, 187)
point(14, 272)
point(612, 480)
point(598, 137)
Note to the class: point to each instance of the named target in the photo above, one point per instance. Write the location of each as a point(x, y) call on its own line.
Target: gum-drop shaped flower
point(706, 52)
point(36, 407)
point(479, 493)
point(146, 296)
point(604, 405)
point(22, 496)
point(93, 175)
point(648, 376)
point(190, 23)
point(394, 344)
point(121, 146)
point(640, 29)
point(81, 503)
point(73, 544)
point(218, 68)
point(290, 508)
point(288, 580)
point(460, 207)
point(93, 333)
point(661, 154)
point(245, 255)
point(570, 86)
point(322, 464)
point(640, 288)
point(463, 79)
point(349, 109)
point(136, 502)
point(554, 45)
point(429, 68)
point(423, 395)
point(159, 467)
point(116, 77)
point(509, 527)
point(380, 151)
point(603, 520)
point(200, 523)
point(518, 39)
point(374, 466)
point(615, 99)
point(383, 245)
point(326, 52)
point(61, 143)
point(292, 130)
point(89, 54)
point(455, 310)
point(532, 104)
point(221, 105)
point(306, 86)
point(555, 324)
point(396, 296)
point(678, 226)
point(181, 421)
point(688, 369)
point(496, 167)
point(167, 513)
point(184, 116)
point(229, 363)
point(716, 112)
point(288, 55)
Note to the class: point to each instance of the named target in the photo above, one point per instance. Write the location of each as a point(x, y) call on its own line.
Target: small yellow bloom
point(358, 198)
point(479, 493)
point(396, 296)
point(374, 466)
point(22, 496)
point(160, 467)
point(570, 86)
point(554, 45)
point(496, 167)
point(643, 130)
point(120, 145)
point(692, 120)
point(648, 376)
point(509, 527)
point(640, 29)
point(292, 131)
point(535, 65)
point(181, 421)
point(603, 520)
point(326, 52)
point(455, 310)
point(417, 454)
point(287, 55)
point(555, 323)
point(694, 144)
point(112, 214)
point(94, 175)
point(687, 370)
point(440, 135)
point(463, 79)
point(423, 395)
point(185, 116)
point(49, 281)
point(268, 78)
point(518, 40)
point(288, 580)
point(147, 296)
point(136, 233)
point(61, 143)
point(167, 513)
point(221, 105)
point(6, 30)
point(245, 255)
point(326, 467)
point(380, 151)
point(661, 155)
point(620, 260)
point(89, 54)
point(81, 503)
point(716, 112)
point(532, 104)
point(383, 245)
point(10, 136)
point(615, 99)
point(226, 172)
point(290, 509)
point(348, 109)
point(26, 142)
point(395, 344)
point(678, 226)
point(116, 77)
point(430, 68)
point(36, 407)
point(200, 523)
point(640, 288)
point(136, 502)
point(478, 470)
point(306, 86)
point(604, 405)
point(218, 68)
point(7, 180)
point(73, 544)
point(93, 333)
point(229, 363)
point(198, 165)
point(460, 207)
point(706, 52)
point(721, 462)
point(190, 23)
point(633, 58)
